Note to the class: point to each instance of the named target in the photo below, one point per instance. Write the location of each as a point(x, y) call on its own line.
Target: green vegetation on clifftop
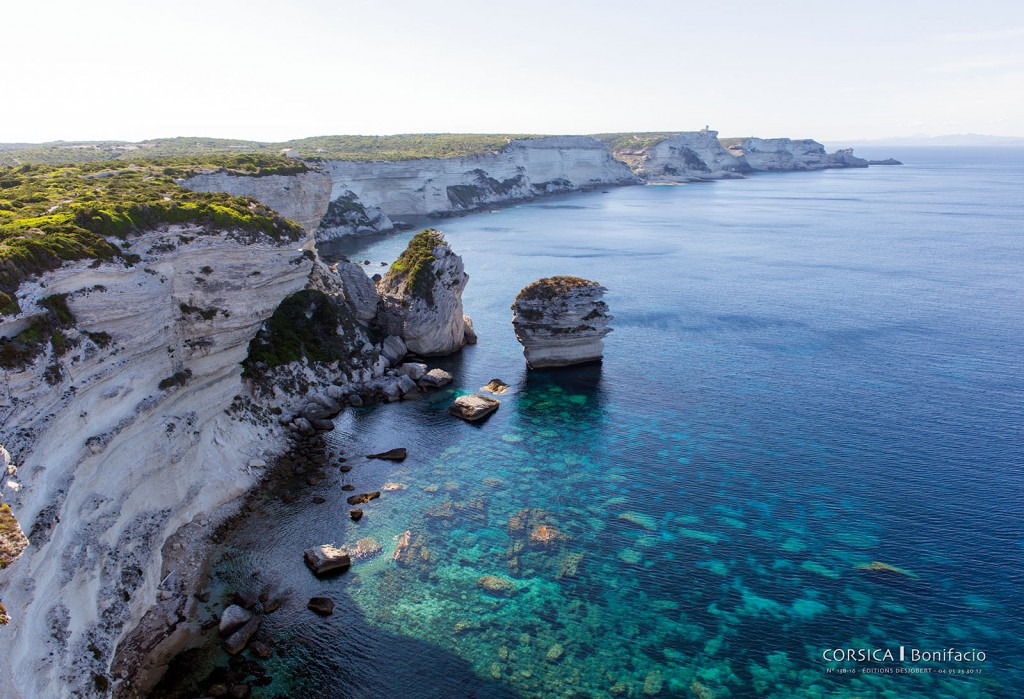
point(551, 287)
point(398, 147)
point(53, 214)
point(620, 142)
point(414, 265)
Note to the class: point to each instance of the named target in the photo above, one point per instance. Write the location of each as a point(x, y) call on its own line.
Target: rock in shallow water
point(473, 408)
point(495, 386)
point(363, 497)
point(497, 585)
point(326, 558)
point(561, 321)
point(324, 606)
point(435, 378)
point(236, 642)
point(233, 617)
point(390, 455)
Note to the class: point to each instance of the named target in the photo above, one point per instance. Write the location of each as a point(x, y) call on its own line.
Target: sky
point(273, 71)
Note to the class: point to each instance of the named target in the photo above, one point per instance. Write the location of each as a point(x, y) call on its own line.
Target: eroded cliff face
point(347, 216)
point(421, 297)
point(785, 154)
point(561, 321)
point(684, 157)
point(303, 198)
point(522, 170)
point(124, 441)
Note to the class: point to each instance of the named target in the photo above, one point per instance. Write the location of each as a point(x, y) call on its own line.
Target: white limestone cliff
point(692, 156)
point(524, 169)
point(561, 321)
point(347, 216)
point(421, 297)
point(126, 443)
point(785, 154)
point(302, 197)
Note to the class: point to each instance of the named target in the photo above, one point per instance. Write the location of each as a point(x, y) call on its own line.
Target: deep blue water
point(809, 372)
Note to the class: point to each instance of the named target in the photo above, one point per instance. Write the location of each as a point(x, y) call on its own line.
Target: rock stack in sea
point(561, 321)
point(421, 297)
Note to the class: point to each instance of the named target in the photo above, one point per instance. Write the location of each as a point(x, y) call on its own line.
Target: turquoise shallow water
point(809, 373)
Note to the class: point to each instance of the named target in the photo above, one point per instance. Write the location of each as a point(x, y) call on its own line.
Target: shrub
point(413, 267)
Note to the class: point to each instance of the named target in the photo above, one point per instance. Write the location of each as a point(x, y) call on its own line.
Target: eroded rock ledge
point(561, 321)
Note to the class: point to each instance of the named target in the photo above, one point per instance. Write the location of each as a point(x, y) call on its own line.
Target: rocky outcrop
point(421, 296)
point(561, 321)
point(524, 169)
point(784, 154)
point(683, 157)
point(347, 216)
point(303, 197)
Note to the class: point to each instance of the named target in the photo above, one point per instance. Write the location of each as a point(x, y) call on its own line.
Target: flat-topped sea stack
point(421, 296)
point(561, 321)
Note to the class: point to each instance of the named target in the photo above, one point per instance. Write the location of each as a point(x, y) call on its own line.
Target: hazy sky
point(825, 69)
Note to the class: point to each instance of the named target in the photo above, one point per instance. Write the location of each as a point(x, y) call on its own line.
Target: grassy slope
point(50, 214)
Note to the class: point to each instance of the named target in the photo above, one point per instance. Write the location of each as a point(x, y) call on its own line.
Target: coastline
point(164, 628)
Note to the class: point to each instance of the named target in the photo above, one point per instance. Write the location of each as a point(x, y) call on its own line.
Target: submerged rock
point(422, 296)
point(398, 454)
point(641, 520)
point(561, 321)
point(473, 408)
point(497, 585)
point(324, 606)
point(326, 558)
point(363, 497)
point(544, 535)
point(367, 547)
point(261, 650)
point(411, 550)
point(880, 567)
point(356, 515)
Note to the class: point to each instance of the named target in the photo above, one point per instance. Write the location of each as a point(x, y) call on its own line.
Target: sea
point(798, 471)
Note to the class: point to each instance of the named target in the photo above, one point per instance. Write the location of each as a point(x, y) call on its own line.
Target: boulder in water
point(326, 558)
point(324, 606)
point(473, 408)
